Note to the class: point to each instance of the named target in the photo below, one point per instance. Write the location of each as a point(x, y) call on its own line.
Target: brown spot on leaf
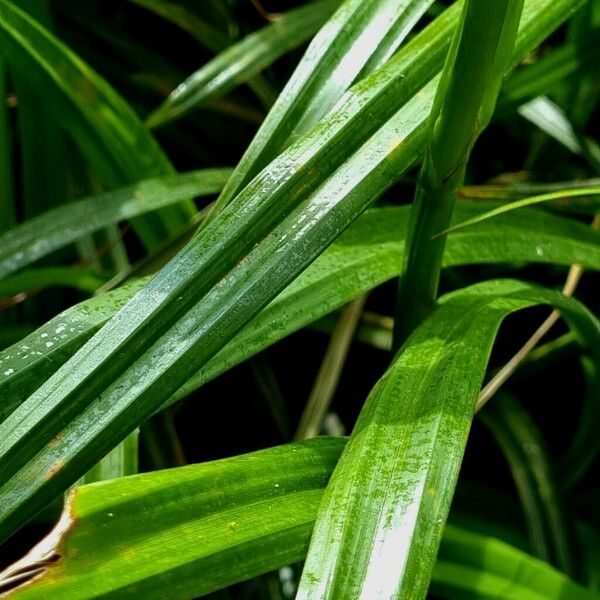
point(54, 469)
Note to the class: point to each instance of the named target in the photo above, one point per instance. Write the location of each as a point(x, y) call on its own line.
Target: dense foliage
point(298, 300)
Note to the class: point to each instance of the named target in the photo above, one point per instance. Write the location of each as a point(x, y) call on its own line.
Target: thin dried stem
point(573, 278)
point(330, 371)
point(263, 12)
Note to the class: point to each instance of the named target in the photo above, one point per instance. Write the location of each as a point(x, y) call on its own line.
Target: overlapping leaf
point(391, 490)
point(359, 37)
point(41, 235)
point(369, 253)
point(106, 129)
point(175, 533)
point(194, 306)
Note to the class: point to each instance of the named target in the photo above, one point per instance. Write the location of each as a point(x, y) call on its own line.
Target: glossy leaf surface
point(240, 62)
point(357, 39)
point(169, 533)
point(391, 491)
point(222, 279)
point(366, 255)
point(41, 235)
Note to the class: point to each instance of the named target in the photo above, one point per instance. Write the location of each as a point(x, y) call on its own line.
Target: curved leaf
point(477, 566)
point(41, 235)
point(106, 129)
point(391, 490)
point(41, 137)
point(551, 528)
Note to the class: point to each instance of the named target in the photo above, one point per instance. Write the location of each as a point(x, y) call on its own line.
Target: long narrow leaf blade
point(358, 38)
point(221, 280)
point(366, 255)
point(54, 229)
point(476, 566)
point(382, 516)
point(206, 34)
point(101, 122)
point(168, 533)
point(592, 193)
point(240, 62)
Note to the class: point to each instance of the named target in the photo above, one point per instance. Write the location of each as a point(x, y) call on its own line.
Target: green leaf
point(359, 37)
point(41, 139)
point(207, 35)
point(537, 79)
point(27, 364)
point(551, 529)
point(101, 122)
point(391, 491)
point(590, 192)
point(240, 62)
point(86, 280)
point(248, 254)
point(366, 255)
point(553, 121)
point(169, 533)
point(471, 565)
point(370, 252)
point(41, 235)
point(174, 533)
point(517, 191)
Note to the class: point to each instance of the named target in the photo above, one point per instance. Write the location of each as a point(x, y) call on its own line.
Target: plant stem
point(575, 273)
point(464, 102)
point(331, 369)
